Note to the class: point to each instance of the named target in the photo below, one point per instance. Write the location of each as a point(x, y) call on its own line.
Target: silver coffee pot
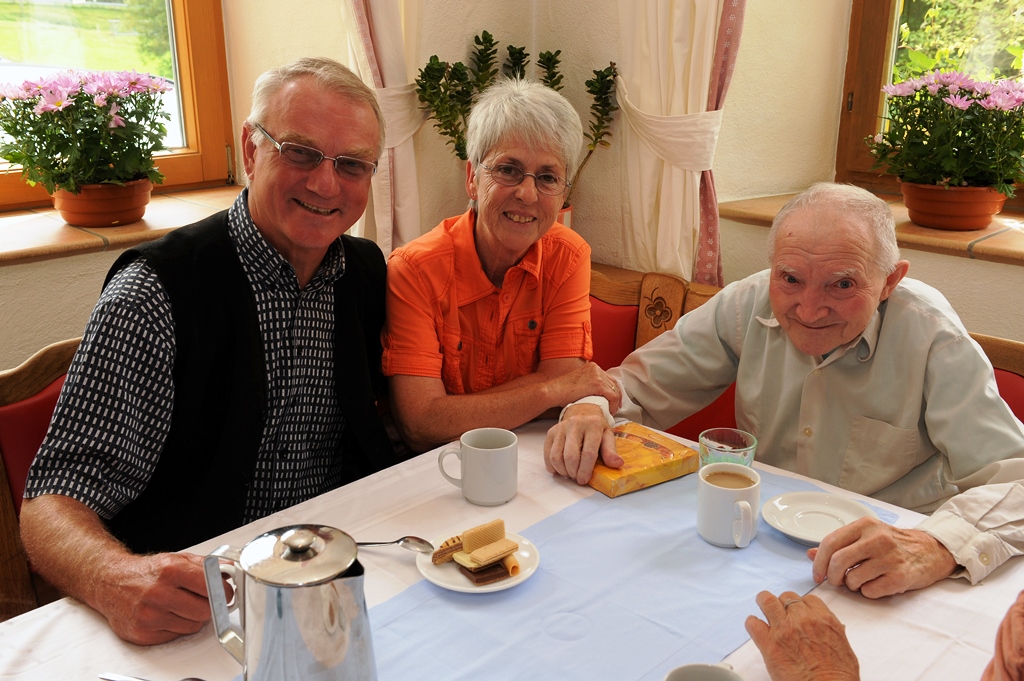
point(300, 606)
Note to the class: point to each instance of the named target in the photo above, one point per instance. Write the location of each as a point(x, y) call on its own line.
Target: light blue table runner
point(686, 600)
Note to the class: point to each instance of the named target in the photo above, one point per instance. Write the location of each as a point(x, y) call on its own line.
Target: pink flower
point(933, 89)
point(100, 99)
point(959, 101)
point(115, 120)
point(54, 100)
point(878, 138)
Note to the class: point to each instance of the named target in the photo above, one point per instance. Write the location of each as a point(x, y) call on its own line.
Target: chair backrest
point(1007, 356)
point(630, 308)
point(28, 394)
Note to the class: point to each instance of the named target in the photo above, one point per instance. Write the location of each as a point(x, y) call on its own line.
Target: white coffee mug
point(490, 465)
point(703, 672)
point(728, 505)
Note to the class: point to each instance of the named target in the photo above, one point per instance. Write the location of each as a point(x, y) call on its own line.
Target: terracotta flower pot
point(104, 205)
point(955, 208)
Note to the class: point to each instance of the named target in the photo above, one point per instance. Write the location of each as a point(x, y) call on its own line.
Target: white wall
point(778, 135)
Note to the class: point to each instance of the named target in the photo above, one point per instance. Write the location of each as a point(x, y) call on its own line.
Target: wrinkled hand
point(571, 447)
point(1008, 661)
point(156, 598)
point(803, 641)
point(880, 560)
point(585, 381)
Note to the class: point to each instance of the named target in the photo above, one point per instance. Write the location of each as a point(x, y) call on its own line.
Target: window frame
point(208, 158)
point(871, 42)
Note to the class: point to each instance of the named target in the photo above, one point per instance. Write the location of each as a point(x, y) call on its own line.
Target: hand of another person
point(802, 640)
point(879, 560)
point(585, 381)
point(155, 598)
point(1008, 661)
point(572, 446)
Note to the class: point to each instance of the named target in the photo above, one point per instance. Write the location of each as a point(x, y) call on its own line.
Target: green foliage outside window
point(982, 38)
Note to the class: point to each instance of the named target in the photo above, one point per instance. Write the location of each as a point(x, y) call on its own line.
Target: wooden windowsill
point(1002, 241)
point(40, 234)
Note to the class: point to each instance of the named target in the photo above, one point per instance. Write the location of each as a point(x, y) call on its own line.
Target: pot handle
point(229, 636)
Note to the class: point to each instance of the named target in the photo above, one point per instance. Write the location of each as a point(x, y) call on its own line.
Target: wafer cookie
point(444, 553)
point(482, 535)
point(495, 551)
point(488, 575)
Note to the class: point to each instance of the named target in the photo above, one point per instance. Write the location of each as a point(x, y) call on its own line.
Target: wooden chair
point(630, 308)
point(1007, 356)
point(28, 395)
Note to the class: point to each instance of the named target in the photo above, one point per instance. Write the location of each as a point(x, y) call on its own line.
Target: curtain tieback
point(402, 113)
point(687, 141)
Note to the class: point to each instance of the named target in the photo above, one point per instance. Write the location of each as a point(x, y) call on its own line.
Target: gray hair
point(327, 74)
point(856, 203)
point(515, 109)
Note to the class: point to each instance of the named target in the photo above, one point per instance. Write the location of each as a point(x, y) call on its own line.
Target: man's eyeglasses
point(509, 175)
point(308, 158)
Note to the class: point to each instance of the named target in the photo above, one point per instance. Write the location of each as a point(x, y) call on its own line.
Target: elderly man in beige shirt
point(847, 372)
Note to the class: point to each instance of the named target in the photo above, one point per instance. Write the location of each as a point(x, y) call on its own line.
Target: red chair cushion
point(719, 414)
point(22, 429)
point(1011, 389)
point(614, 331)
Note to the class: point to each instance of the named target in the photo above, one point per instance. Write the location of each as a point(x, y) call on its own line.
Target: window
point(200, 130)
point(876, 30)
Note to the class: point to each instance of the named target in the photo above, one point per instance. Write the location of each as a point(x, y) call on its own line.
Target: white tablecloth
point(944, 632)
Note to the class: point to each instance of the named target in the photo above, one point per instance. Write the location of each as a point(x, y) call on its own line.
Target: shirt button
point(817, 372)
point(984, 559)
point(808, 432)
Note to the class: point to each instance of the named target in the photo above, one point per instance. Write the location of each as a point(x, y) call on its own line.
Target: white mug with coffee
point(703, 672)
point(728, 496)
point(490, 465)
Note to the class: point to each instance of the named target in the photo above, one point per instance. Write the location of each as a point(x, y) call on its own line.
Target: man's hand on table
point(879, 560)
point(802, 640)
point(1008, 661)
point(155, 598)
point(572, 446)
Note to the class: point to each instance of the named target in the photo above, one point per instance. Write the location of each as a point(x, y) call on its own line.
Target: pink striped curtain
point(708, 266)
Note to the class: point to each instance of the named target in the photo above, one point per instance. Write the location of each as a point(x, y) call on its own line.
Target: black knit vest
point(206, 467)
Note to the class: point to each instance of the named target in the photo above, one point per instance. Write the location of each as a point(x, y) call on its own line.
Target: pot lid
point(298, 555)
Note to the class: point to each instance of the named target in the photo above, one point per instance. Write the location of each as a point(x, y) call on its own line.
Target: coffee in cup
point(728, 507)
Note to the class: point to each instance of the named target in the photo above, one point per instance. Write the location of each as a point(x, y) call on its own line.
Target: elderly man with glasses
point(229, 369)
point(489, 313)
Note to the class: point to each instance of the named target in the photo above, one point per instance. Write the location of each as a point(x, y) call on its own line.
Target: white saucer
point(448, 576)
point(807, 517)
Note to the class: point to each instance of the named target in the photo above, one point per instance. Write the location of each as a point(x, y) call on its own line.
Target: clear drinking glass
point(727, 445)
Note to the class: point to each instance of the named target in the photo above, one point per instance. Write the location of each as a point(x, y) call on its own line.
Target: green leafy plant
point(77, 127)
point(448, 90)
point(944, 128)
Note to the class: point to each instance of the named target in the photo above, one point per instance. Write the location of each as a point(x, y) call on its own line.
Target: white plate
point(447, 575)
point(807, 517)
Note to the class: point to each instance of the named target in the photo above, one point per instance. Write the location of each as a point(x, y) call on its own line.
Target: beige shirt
point(907, 413)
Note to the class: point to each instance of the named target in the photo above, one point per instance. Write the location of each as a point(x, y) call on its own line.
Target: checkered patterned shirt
point(114, 413)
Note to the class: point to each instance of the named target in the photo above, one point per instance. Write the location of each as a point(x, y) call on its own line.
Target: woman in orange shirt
point(488, 314)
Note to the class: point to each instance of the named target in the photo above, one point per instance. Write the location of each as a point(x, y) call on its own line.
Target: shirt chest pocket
point(526, 333)
point(454, 353)
point(877, 455)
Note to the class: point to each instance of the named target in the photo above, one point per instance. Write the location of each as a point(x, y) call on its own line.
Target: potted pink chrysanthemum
point(82, 133)
point(948, 137)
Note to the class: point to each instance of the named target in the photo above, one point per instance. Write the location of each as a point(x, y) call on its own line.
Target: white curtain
point(669, 137)
point(382, 36)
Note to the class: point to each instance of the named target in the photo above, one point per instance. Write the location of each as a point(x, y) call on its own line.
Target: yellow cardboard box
point(649, 458)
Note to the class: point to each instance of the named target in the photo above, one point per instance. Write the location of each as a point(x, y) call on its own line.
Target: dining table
point(622, 588)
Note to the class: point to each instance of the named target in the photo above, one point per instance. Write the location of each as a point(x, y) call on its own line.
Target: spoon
point(411, 543)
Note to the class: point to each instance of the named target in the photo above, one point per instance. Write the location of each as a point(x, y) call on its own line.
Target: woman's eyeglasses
point(509, 175)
